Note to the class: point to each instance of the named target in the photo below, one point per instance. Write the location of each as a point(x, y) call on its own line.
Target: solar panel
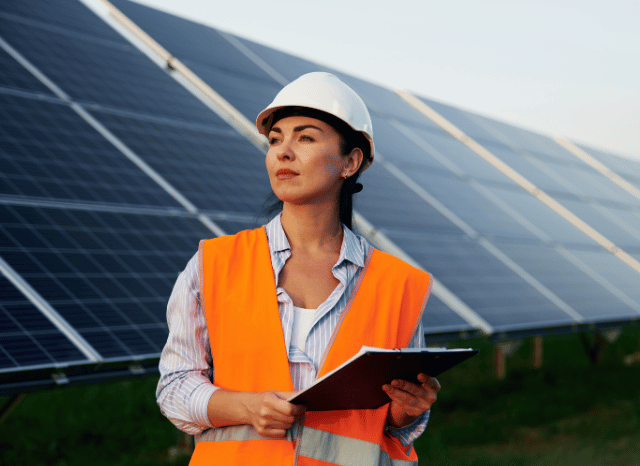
point(386, 106)
point(106, 170)
point(209, 164)
point(89, 231)
point(48, 151)
point(27, 338)
point(108, 274)
point(210, 55)
point(213, 67)
point(104, 70)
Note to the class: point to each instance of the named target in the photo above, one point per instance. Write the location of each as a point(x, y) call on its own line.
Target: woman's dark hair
point(349, 140)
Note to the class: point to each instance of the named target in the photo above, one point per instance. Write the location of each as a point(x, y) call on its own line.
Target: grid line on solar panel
point(48, 151)
point(109, 275)
point(465, 201)
point(112, 41)
point(399, 234)
point(207, 170)
point(524, 148)
point(515, 265)
point(14, 76)
point(574, 272)
point(627, 167)
point(586, 184)
point(190, 41)
point(27, 338)
point(70, 16)
point(119, 76)
point(209, 55)
point(545, 162)
point(599, 167)
point(498, 295)
point(576, 179)
point(539, 194)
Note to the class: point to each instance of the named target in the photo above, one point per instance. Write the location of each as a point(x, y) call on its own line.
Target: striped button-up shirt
point(186, 366)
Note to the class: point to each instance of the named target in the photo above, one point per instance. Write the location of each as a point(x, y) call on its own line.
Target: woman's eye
point(304, 137)
point(272, 141)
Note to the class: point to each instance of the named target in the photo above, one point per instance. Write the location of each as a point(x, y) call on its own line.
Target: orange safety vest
point(238, 296)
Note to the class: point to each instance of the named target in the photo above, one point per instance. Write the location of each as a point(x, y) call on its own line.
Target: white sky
point(568, 68)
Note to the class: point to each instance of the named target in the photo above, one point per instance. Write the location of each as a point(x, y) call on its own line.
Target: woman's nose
point(285, 151)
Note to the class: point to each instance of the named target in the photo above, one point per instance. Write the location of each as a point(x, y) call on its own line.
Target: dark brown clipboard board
point(357, 384)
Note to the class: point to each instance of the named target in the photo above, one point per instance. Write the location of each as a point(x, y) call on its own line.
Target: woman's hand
point(271, 414)
point(410, 400)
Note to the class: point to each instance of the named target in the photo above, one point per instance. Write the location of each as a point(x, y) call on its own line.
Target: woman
point(259, 315)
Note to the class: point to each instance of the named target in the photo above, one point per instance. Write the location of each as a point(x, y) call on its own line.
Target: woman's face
point(305, 162)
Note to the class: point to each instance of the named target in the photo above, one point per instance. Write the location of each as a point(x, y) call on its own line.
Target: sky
point(560, 68)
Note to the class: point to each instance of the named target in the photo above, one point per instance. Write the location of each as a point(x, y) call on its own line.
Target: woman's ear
point(354, 160)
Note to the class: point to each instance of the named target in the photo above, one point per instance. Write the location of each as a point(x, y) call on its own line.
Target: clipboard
point(357, 383)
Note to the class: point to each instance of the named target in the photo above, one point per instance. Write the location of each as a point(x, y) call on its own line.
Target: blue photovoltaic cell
point(212, 57)
point(473, 165)
point(459, 262)
point(27, 338)
point(537, 173)
point(190, 40)
point(48, 151)
point(551, 167)
point(104, 71)
point(452, 191)
point(626, 167)
point(469, 205)
point(389, 205)
point(614, 271)
point(108, 274)
point(486, 285)
point(541, 146)
point(248, 95)
point(605, 221)
point(214, 167)
point(585, 295)
point(543, 161)
point(586, 182)
point(288, 66)
point(71, 16)
point(438, 318)
point(14, 76)
point(542, 217)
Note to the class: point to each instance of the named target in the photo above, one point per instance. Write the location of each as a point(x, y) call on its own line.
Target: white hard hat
point(324, 92)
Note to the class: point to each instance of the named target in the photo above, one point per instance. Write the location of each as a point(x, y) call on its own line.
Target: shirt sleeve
point(408, 434)
point(186, 365)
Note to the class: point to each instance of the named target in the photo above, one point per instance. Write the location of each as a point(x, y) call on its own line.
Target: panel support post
point(10, 406)
point(500, 362)
point(594, 349)
point(536, 352)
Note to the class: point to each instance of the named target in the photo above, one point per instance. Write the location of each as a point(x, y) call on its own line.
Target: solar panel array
point(111, 170)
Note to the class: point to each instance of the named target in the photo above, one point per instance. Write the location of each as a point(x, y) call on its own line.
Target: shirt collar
point(351, 250)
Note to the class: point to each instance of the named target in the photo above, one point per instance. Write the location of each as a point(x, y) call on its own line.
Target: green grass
point(568, 413)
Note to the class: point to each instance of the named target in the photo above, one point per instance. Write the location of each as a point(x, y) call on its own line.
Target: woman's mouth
point(285, 174)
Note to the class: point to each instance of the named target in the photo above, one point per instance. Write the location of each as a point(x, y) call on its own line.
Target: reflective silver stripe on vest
point(345, 451)
point(242, 432)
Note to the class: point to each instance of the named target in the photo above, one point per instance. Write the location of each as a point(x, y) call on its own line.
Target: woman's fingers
point(430, 382)
point(414, 399)
point(271, 414)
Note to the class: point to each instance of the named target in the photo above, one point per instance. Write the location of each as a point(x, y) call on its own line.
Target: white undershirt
point(302, 321)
